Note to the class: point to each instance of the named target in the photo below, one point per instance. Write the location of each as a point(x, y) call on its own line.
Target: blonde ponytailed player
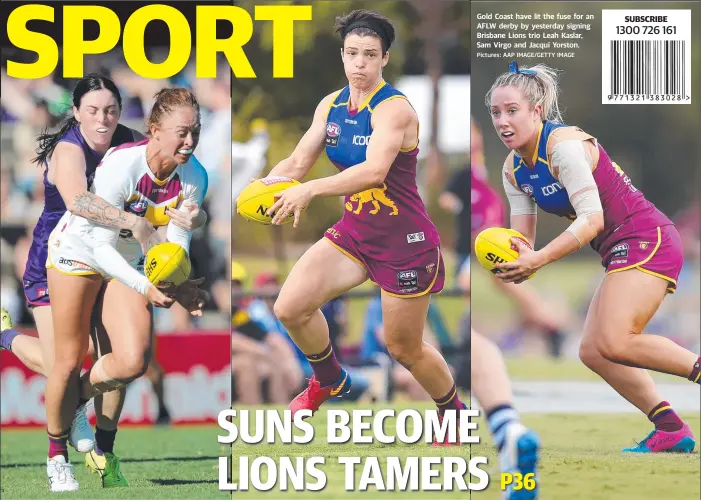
point(566, 172)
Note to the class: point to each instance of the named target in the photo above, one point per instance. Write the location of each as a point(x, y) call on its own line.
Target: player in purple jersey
point(70, 157)
point(370, 132)
point(565, 171)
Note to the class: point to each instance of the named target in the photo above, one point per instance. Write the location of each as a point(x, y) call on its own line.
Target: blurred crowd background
point(31, 106)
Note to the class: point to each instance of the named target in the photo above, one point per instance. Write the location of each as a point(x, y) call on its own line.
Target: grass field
point(176, 462)
point(581, 459)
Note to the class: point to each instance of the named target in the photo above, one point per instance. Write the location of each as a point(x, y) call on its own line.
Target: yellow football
point(259, 196)
point(493, 246)
point(167, 264)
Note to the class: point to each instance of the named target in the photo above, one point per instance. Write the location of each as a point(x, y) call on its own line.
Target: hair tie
point(513, 68)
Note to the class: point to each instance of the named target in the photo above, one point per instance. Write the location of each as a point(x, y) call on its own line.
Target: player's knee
point(589, 353)
point(68, 361)
point(405, 354)
point(134, 364)
point(610, 350)
point(290, 313)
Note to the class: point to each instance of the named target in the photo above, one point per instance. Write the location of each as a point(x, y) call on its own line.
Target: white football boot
point(60, 474)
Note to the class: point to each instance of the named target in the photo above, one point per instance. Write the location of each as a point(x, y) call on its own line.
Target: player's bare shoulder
point(324, 106)
point(396, 108)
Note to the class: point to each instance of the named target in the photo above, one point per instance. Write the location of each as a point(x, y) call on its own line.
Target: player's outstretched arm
point(310, 146)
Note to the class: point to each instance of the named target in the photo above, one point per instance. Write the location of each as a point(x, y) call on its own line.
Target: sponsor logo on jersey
point(551, 189)
point(352, 122)
point(430, 267)
point(138, 207)
point(333, 131)
point(644, 244)
point(373, 196)
point(534, 176)
point(415, 237)
point(361, 140)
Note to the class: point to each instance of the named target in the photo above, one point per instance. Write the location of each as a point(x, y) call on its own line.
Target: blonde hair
point(539, 89)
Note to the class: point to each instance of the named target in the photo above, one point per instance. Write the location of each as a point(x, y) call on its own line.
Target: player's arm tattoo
point(97, 210)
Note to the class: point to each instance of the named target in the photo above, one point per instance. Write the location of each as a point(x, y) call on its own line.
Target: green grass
point(581, 459)
point(158, 462)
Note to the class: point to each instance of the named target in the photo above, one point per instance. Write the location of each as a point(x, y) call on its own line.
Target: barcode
point(646, 56)
point(648, 67)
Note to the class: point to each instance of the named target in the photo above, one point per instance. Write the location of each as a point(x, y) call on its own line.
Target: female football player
point(487, 210)
point(565, 171)
point(370, 132)
point(149, 178)
point(70, 157)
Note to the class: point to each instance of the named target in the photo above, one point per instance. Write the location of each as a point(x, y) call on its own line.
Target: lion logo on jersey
point(374, 196)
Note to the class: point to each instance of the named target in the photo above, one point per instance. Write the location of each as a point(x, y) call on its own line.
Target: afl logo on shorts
point(620, 250)
point(527, 188)
point(407, 279)
point(333, 131)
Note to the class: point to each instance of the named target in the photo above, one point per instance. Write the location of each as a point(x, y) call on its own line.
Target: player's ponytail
point(47, 141)
point(539, 85)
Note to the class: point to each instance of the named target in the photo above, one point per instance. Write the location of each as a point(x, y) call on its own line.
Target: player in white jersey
point(152, 179)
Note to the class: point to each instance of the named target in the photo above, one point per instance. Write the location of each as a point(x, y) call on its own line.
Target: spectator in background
point(255, 367)
point(456, 200)
point(260, 310)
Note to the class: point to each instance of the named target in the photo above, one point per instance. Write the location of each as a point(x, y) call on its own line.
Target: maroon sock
point(664, 418)
point(696, 372)
point(325, 365)
point(450, 401)
point(58, 444)
point(104, 441)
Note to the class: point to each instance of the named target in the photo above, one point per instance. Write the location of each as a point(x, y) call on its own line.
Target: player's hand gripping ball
point(256, 198)
point(493, 246)
point(167, 264)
